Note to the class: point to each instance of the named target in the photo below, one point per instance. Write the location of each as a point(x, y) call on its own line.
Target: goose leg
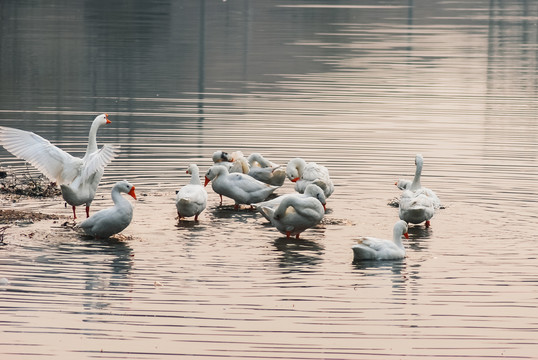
point(87, 211)
point(428, 223)
point(74, 212)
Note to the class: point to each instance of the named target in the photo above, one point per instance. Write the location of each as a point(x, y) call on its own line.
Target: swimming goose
point(418, 203)
point(108, 222)
point(295, 214)
point(369, 248)
point(191, 199)
point(416, 184)
point(302, 173)
point(311, 190)
point(242, 188)
point(78, 178)
point(416, 207)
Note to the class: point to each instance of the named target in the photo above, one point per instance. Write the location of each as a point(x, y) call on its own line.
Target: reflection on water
point(358, 87)
point(298, 254)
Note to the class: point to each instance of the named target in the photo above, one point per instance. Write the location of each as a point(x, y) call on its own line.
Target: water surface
point(360, 87)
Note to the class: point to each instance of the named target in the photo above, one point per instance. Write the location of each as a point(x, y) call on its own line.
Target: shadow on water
point(105, 283)
point(398, 270)
point(107, 265)
point(296, 254)
point(244, 214)
point(393, 265)
point(189, 224)
point(419, 237)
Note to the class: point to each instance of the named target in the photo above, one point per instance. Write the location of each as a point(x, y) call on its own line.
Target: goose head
point(126, 187)
point(192, 169)
point(213, 172)
point(294, 169)
point(220, 156)
point(403, 184)
point(400, 228)
point(102, 119)
point(419, 160)
point(316, 192)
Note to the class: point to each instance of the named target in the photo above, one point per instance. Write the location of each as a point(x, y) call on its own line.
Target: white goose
point(369, 248)
point(302, 173)
point(242, 188)
point(191, 199)
point(239, 165)
point(415, 185)
point(108, 222)
point(416, 207)
point(312, 190)
point(227, 160)
point(418, 204)
point(295, 214)
point(78, 178)
point(403, 184)
point(265, 170)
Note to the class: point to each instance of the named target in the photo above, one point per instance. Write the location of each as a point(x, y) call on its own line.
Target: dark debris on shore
point(27, 184)
point(10, 216)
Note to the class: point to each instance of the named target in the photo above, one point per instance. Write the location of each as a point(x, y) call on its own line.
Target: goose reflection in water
point(108, 274)
point(419, 237)
point(298, 254)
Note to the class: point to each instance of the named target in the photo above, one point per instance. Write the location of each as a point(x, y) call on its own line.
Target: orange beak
point(295, 180)
point(406, 235)
point(324, 208)
point(396, 183)
point(206, 181)
point(132, 193)
point(107, 121)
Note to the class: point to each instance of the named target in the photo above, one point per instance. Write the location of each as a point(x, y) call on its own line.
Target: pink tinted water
point(359, 88)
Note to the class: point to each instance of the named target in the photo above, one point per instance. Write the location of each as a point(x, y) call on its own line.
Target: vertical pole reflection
point(201, 76)
point(409, 25)
point(201, 63)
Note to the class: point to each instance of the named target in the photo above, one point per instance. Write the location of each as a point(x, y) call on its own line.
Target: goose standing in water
point(302, 173)
point(370, 248)
point(242, 188)
point(191, 199)
point(311, 190)
point(295, 214)
point(78, 177)
point(113, 220)
point(418, 204)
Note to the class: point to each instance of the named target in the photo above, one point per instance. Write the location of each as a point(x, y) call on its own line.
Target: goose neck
point(415, 185)
point(397, 238)
point(116, 197)
point(92, 138)
point(195, 178)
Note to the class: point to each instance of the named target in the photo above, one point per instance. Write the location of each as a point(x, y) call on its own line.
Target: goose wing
point(52, 161)
point(99, 159)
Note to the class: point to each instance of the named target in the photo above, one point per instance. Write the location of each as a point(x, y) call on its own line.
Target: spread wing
point(52, 161)
point(99, 159)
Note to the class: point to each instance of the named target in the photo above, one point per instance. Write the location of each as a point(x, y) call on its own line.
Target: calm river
point(360, 86)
